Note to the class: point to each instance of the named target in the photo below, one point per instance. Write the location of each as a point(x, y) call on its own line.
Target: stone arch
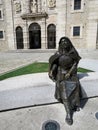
point(19, 38)
point(51, 36)
point(34, 36)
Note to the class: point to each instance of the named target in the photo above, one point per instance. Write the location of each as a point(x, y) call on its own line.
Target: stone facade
point(39, 24)
point(3, 39)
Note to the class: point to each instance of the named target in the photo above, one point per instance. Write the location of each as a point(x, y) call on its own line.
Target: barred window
point(76, 31)
point(77, 4)
point(1, 34)
point(0, 14)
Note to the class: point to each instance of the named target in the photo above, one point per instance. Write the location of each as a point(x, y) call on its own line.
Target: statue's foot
point(76, 108)
point(69, 119)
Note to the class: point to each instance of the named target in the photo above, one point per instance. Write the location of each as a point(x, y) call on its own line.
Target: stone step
point(38, 89)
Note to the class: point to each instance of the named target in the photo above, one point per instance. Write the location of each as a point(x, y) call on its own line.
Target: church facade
point(39, 24)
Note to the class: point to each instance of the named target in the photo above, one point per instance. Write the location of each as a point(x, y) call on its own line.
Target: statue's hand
point(51, 77)
point(67, 75)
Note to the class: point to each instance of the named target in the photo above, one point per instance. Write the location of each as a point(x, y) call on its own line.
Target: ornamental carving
point(18, 7)
point(33, 5)
point(51, 3)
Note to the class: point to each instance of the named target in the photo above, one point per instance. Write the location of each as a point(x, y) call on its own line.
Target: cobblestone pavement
point(33, 117)
point(13, 59)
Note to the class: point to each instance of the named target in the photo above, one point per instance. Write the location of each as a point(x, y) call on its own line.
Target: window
point(76, 31)
point(77, 4)
point(0, 14)
point(1, 34)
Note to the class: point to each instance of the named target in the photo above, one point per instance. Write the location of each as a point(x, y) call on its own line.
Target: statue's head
point(65, 44)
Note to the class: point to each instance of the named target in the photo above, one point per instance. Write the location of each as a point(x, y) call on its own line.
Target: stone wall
point(60, 13)
point(92, 24)
point(3, 42)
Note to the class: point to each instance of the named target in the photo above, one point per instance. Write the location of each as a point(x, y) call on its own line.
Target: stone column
point(43, 34)
point(61, 22)
point(10, 24)
point(26, 35)
point(91, 34)
point(92, 18)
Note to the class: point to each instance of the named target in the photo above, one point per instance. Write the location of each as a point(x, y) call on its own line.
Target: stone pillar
point(10, 24)
point(43, 34)
point(91, 34)
point(26, 35)
point(61, 22)
point(92, 24)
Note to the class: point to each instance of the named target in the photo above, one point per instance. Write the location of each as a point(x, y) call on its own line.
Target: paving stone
point(32, 118)
point(38, 89)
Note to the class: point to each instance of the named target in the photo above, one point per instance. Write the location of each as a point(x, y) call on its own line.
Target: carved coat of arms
point(18, 6)
point(51, 3)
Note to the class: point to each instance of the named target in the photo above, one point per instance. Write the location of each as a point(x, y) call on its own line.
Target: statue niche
point(34, 6)
point(51, 3)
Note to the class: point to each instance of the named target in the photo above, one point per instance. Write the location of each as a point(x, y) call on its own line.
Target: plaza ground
point(32, 117)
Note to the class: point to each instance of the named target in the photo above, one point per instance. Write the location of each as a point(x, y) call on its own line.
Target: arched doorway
point(51, 36)
point(19, 37)
point(35, 36)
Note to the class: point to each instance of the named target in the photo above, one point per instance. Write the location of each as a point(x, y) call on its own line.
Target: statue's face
point(64, 43)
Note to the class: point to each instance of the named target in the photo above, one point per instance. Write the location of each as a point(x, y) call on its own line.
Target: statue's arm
point(53, 72)
point(74, 67)
point(53, 66)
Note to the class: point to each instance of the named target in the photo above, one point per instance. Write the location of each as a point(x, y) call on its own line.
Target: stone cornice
point(34, 15)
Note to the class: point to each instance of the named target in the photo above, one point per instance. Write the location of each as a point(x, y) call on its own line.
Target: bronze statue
point(63, 71)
